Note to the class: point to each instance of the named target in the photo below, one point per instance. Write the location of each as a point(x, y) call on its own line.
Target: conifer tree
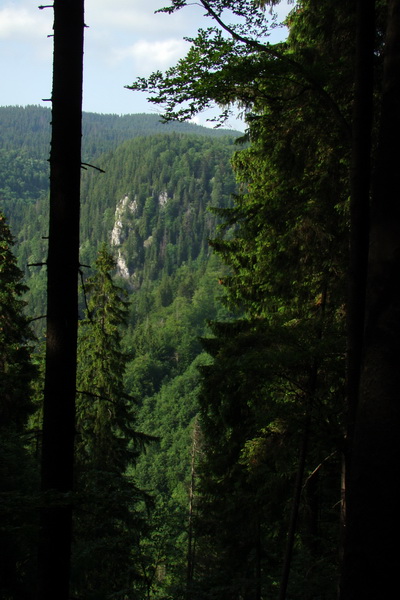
point(107, 523)
point(15, 337)
point(17, 471)
point(277, 377)
point(317, 85)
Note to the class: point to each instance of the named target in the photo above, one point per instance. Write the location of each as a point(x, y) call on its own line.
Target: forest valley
point(237, 387)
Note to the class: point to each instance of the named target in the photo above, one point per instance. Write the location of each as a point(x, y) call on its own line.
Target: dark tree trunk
point(360, 178)
point(312, 390)
point(287, 562)
point(371, 558)
point(62, 302)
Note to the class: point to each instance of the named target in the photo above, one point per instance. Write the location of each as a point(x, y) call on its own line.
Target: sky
point(124, 39)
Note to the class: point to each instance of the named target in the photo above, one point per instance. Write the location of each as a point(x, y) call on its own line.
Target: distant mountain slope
point(28, 129)
point(151, 204)
point(152, 201)
point(25, 146)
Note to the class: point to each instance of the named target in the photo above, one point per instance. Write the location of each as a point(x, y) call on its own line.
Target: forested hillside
point(154, 190)
point(148, 199)
point(25, 146)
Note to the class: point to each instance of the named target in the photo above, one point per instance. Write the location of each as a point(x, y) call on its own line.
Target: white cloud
point(151, 55)
point(24, 23)
point(196, 120)
point(136, 17)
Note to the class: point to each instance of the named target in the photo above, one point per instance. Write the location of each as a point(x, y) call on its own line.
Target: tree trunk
point(287, 562)
point(360, 181)
point(370, 568)
point(62, 303)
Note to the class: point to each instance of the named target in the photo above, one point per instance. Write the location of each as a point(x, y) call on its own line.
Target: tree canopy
point(317, 109)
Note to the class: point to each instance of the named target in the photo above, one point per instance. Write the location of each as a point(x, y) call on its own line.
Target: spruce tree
point(107, 523)
point(17, 469)
point(15, 338)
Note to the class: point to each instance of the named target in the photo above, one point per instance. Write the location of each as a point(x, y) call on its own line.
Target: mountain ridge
point(112, 129)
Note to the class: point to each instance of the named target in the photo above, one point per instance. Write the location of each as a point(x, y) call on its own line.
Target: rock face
point(124, 209)
point(162, 189)
point(123, 206)
point(122, 267)
point(163, 198)
point(126, 212)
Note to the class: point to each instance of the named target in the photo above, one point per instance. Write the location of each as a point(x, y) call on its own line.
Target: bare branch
point(83, 165)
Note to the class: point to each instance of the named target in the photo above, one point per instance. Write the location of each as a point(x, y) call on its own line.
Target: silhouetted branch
point(83, 165)
point(37, 318)
point(84, 294)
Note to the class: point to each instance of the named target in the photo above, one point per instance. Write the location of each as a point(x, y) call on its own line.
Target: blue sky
point(124, 39)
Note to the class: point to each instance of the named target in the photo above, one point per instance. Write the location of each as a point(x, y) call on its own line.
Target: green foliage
point(28, 130)
point(172, 177)
point(18, 518)
point(107, 524)
point(255, 401)
point(276, 381)
point(284, 262)
point(160, 188)
point(17, 468)
point(15, 338)
point(217, 68)
point(269, 377)
point(164, 374)
point(271, 381)
point(22, 178)
point(165, 467)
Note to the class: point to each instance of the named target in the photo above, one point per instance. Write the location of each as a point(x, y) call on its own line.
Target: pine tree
point(108, 523)
point(17, 470)
point(15, 337)
point(262, 402)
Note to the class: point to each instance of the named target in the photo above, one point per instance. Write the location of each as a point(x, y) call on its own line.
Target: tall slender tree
point(360, 182)
point(62, 302)
point(108, 521)
point(15, 337)
point(371, 548)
